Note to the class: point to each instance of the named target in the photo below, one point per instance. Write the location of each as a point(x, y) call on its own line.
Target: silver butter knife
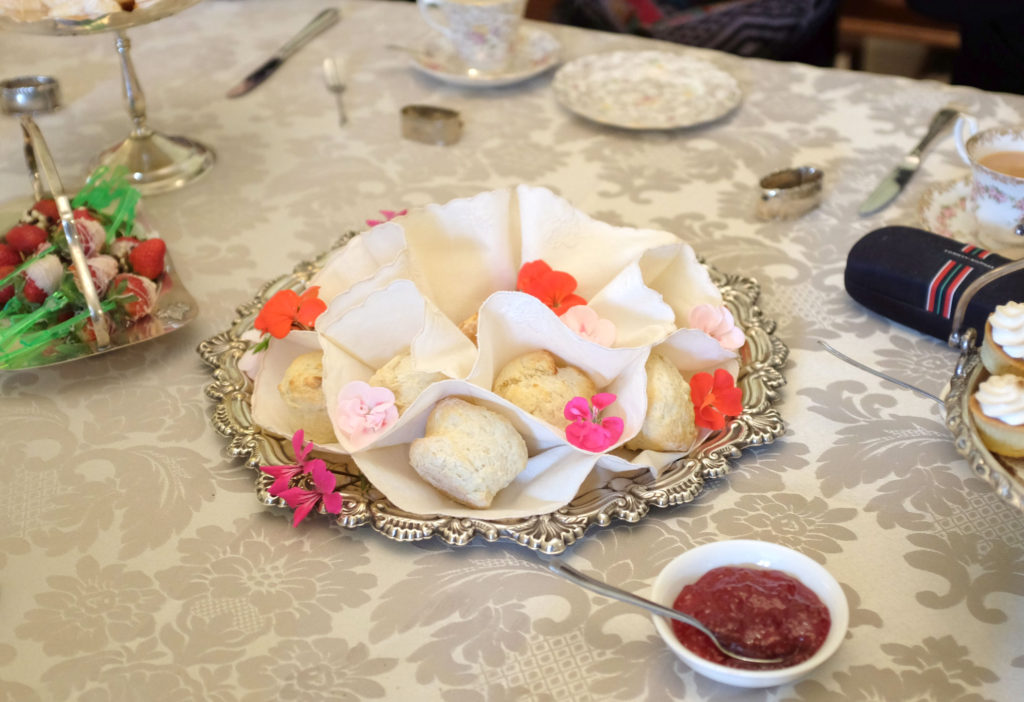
point(324, 20)
point(893, 184)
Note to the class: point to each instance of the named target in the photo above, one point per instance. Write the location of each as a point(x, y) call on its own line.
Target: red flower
point(556, 289)
point(287, 309)
point(715, 398)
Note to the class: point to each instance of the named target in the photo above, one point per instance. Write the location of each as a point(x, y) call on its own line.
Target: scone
point(669, 424)
point(302, 390)
point(1002, 351)
point(468, 327)
point(539, 384)
point(997, 409)
point(469, 453)
point(399, 376)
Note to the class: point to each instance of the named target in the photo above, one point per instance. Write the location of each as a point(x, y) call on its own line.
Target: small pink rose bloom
point(586, 430)
point(585, 321)
point(364, 411)
point(304, 501)
point(388, 216)
point(718, 323)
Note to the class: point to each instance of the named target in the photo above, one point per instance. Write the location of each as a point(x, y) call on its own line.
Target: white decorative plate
point(646, 89)
point(536, 51)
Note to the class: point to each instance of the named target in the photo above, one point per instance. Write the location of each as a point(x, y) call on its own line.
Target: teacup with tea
point(996, 158)
point(483, 32)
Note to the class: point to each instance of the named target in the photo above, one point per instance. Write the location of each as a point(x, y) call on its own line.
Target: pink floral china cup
point(996, 158)
point(483, 32)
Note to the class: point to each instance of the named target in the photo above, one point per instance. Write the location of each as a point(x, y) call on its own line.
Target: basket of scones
point(501, 365)
point(985, 405)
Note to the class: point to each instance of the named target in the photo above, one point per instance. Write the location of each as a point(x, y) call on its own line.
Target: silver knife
point(327, 18)
point(892, 185)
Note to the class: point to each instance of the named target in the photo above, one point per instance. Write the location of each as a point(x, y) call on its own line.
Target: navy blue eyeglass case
point(916, 278)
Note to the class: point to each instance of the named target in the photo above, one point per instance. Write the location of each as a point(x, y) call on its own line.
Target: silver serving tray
point(627, 497)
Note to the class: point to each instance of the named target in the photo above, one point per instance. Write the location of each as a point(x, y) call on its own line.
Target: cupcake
point(1002, 351)
point(997, 409)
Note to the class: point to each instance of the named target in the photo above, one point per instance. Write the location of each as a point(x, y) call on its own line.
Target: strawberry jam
point(754, 612)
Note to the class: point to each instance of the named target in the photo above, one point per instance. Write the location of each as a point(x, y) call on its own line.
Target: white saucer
point(536, 51)
point(646, 89)
point(943, 210)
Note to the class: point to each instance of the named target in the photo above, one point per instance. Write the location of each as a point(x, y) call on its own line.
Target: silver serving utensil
point(336, 86)
point(892, 185)
point(555, 565)
point(877, 373)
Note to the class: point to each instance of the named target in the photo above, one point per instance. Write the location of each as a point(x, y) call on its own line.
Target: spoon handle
point(601, 588)
point(555, 565)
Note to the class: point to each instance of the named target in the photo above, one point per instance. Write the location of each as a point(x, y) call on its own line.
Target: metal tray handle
point(964, 340)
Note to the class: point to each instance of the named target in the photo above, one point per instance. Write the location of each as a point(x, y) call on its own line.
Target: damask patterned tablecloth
point(137, 563)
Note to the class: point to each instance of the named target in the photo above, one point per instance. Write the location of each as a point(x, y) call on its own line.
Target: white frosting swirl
point(1008, 328)
point(1002, 397)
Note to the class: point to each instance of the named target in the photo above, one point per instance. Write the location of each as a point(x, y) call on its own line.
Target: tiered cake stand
point(157, 162)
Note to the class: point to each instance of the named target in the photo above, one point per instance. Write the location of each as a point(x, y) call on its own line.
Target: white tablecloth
point(137, 563)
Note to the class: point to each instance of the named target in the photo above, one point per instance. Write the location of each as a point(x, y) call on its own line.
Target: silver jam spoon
point(555, 565)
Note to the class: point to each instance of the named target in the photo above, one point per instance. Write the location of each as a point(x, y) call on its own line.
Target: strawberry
point(7, 292)
point(148, 258)
point(32, 292)
point(25, 238)
point(135, 295)
point(8, 256)
point(91, 233)
point(47, 208)
point(42, 277)
point(122, 246)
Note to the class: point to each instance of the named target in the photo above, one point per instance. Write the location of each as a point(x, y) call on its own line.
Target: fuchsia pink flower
point(718, 323)
point(364, 411)
point(303, 500)
point(388, 216)
point(283, 475)
point(584, 430)
point(585, 321)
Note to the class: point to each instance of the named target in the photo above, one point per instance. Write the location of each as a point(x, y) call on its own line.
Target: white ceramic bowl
point(688, 568)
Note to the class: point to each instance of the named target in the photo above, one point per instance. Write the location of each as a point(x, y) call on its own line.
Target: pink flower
point(364, 411)
point(283, 475)
point(585, 321)
point(303, 501)
point(718, 323)
point(388, 216)
point(584, 430)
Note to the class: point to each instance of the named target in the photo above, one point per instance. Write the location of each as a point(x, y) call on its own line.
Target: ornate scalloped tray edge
point(626, 497)
point(997, 471)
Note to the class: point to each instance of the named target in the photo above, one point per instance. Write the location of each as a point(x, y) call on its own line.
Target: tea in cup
point(483, 32)
point(996, 158)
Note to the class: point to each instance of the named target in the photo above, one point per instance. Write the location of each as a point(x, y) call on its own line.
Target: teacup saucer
point(943, 210)
point(536, 52)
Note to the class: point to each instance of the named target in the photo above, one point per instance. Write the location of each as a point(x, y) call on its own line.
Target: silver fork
point(333, 80)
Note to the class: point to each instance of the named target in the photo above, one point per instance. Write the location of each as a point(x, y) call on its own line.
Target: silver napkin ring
point(789, 193)
point(431, 125)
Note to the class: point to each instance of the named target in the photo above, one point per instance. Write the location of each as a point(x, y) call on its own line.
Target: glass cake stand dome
point(156, 162)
